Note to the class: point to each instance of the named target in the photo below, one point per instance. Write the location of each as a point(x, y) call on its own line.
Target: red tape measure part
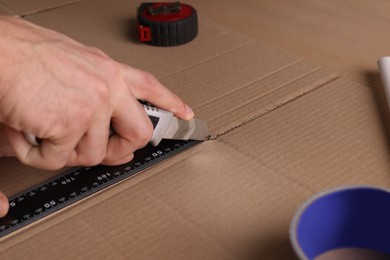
point(167, 24)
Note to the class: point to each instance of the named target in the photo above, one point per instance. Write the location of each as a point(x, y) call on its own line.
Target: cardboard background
point(347, 37)
point(4, 9)
point(285, 129)
point(22, 7)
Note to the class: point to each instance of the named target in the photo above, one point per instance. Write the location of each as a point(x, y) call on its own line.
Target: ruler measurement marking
point(78, 183)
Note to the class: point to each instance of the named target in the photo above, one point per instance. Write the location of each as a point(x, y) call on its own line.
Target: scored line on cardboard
point(273, 90)
point(227, 93)
point(274, 107)
point(49, 8)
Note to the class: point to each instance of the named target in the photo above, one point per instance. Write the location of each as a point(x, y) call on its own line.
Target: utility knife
point(166, 126)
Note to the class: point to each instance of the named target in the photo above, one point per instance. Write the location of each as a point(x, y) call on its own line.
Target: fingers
point(92, 147)
point(133, 130)
point(4, 205)
point(78, 91)
point(50, 155)
point(146, 87)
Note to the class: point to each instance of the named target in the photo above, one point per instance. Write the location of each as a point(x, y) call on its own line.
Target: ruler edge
point(11, 232)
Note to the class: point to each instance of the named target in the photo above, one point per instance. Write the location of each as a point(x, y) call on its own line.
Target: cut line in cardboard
point(24, 8)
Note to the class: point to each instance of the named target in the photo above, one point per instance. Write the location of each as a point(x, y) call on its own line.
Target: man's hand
point(69, 94)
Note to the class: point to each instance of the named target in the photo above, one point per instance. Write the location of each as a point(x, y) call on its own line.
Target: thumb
point(4, 205)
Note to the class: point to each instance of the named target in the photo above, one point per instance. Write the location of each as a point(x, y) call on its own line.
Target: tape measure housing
point(167, 24)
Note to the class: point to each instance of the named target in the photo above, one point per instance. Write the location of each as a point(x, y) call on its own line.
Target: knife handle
point(161, 119)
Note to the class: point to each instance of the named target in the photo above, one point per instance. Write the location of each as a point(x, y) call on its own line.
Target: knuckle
point(77, 122)
point(80, 109)
point(147, 132)
point(117, 161)
point(143, 134)
point(99, 157)
point(93, 158)
point(56, 164)
point(149, 79)
point(98, 51)
point(102, 93)
point(58, 159)
point(50, 163)
point(91, 161)
point(110, 66)
point(60, 164)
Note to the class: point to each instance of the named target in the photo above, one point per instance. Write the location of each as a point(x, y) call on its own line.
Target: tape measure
point(167, 24)
point(79, 183)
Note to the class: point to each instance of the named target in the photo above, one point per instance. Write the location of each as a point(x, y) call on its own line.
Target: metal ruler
point(78, 183)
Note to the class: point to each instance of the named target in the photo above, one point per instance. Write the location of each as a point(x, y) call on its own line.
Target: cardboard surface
point(112, 28)
point(191, 207)
point(5, 10)
point(347, 37)
point(333, 136)
point(22, 7)
point(284, 129)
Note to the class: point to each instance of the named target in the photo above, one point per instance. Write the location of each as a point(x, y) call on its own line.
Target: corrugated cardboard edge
point(50, 8)
point(331, 78)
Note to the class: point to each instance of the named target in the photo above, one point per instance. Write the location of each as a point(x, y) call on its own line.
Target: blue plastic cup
point(348, 217)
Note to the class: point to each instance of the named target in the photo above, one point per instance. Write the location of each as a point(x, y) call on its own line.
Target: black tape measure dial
point(167, 24)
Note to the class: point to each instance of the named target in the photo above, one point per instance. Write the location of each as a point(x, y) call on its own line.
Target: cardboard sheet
point(334, 136)
point(345, 36)
point(21, 7)
point(284, 129)
point(5, 10)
